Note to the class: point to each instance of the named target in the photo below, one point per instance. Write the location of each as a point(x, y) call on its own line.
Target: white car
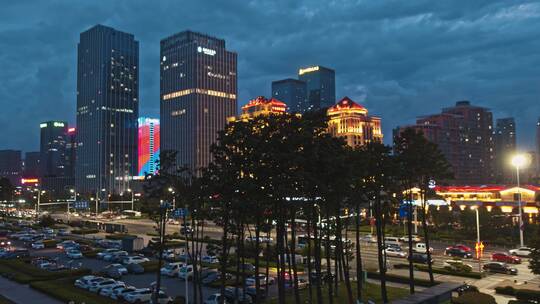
point(38, 245)
point(115, 256)
point(172, 269)
point(118, 293)
point(421, 248)
point(134, 260)
point(415, 238)
point(85, 284)
point(105, 252)
point(119, 267)
point(97, 286)
point(210, 259)
point(107, 291)
point(84, 281)
point(250, 281)
point(163, 298)
point(395, 252)
point(139, 295)
point(74, 254)
point(185, 272)
point(214, 299)
point(521, 251)
point(64, 244)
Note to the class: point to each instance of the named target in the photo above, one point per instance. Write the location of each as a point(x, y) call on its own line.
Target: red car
point(460, 246)
point(506, 258)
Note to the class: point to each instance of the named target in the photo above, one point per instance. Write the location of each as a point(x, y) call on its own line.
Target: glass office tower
point(198, 93)
point(292, 92)
point(321, 86)
point(107, 110)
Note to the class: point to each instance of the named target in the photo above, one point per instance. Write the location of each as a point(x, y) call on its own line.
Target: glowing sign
point(148, 145)
point(29, 181)
point(71, 130)
point(43, 125)
point(58, 124)
point(206, 51)
point(308, 70)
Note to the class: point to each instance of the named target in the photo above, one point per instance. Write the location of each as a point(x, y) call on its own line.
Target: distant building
point(321, 86)
point(198, 91)
point(107, 110)
point(349, 120)
point(148, 145)
point(538, 147)
point(260, 106)
point(71, 152)
point(52, 150)
point(11, 166)
point(31, 164)
point(292, 92)
point(464, 134)
point(505, 147)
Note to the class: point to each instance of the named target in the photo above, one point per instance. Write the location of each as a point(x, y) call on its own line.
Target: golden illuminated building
point(351, 121)
point(260, 106)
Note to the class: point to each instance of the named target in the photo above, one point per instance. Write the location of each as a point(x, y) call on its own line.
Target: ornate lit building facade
point(260, 106)
point(351, 121)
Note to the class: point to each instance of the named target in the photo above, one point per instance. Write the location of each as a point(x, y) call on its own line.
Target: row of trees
point(270, 171)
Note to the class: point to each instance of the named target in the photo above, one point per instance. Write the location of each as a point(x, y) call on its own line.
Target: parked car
point(521, 251)
point(63, 232)
point(135, 268)
point(74, 254)
point(38, 245)
point(458, 252)
point(500, 267)
point(163, 298)
point(215, 299)
point(115, 256)
point(107, 291)
point(262, 279)
point(96, 287)
point(15, 254)
point(314, 277)
point(248, 267)
point(505, 258)
point(185, 272)
point(134, 260)
point(138, 295)
point(85, 281)
point(463, 247)
point(236, 294)
point(171, 269)
point(419, 258)
point(213, 277)
point(302, 283)
point(210, 259)
point(64, 244)
point(457, 265)
point(369, 238)
point(102, 254)
point(186, 231)
point(168, 255)
point(395, 252)
point(118, 293)
point(206, 272)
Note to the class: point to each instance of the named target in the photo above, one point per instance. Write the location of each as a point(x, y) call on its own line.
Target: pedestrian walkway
point(23, 294)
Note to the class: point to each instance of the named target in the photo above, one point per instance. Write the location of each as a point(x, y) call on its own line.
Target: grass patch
point(4, 300)
point(65, 291)
point(25, 273)
point(440, 270)
point(401, 279)
point(370, 292)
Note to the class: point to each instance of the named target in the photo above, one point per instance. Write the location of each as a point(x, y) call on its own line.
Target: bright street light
point(519, 161)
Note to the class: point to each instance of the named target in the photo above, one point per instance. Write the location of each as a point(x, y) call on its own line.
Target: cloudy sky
point(399, 58)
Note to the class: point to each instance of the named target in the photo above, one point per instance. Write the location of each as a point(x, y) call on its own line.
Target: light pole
point(171, 190)
point(74, 198)
point(519, 161)
point(132, 199)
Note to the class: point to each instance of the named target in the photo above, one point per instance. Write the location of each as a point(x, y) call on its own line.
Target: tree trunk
point(224, 255)
point(426, 235)
point(382, 267)
point(310, 288)
point(328, 262)
point(410, 242)
point(257, 248)
point(359, 274)
point(293, 257)
point(317, 238)
point(342, 258)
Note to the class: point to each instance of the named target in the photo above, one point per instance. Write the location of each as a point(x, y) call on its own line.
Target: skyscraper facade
point(198, 93)
point(31, 164)
point(11, 166)
point(350, 121)
point(107, 110)
point(538, 148)
point(505, 147)
point(293, 92)
point(321, 86)
point(148, 145)
point(464, 134)
point(52, 150)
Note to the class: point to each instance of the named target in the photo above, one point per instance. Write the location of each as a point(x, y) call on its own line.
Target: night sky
point(400, 59)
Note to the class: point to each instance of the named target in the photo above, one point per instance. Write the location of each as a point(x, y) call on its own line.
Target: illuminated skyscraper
point(107, 110)
point(148, 145)
point(260, 106)
point(321, 86)
point(198, 94)
point(505, 147)
point(53, 142)
point(293, 92)
point(349, 120)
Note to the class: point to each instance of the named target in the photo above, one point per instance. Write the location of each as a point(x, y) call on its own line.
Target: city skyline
point(396, 86)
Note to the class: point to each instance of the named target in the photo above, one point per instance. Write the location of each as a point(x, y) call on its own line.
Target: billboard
point(148, 145)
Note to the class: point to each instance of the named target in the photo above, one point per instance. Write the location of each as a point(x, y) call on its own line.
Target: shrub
point(527, 295)
point(506, 290)
point(85, 231)
point(65, 291)
point(474, 298)
point(474, 275)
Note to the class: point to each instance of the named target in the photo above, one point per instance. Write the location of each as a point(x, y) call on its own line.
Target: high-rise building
point(31, 165)
point(71, 152)
point(53, 148)
point(464, 134)
point(148, 145)
point(292, 92)
point(11, 166)
point(538, 148)
point(107, 110)
point(198, 94)
point(505, 147)
point(321, 86)
point(349, 120)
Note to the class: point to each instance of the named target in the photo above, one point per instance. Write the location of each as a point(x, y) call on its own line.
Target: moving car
point(521, 251)
point(395, 252)
point(505, 258)
point(419, 258)
point(458, 252)
point(421, 248)
point(415, 238)
point(499, 267)
point(463, 247)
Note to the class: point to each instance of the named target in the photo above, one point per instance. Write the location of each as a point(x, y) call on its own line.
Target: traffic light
point(479, 248)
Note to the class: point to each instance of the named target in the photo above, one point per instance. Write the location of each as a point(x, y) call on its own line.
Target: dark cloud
point(399, 58)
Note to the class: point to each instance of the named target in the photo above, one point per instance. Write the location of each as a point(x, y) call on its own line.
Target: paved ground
point(23, 294)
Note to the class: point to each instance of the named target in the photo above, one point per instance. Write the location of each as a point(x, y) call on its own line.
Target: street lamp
point(171, 190)
point(519, 161)
point(132, 199)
